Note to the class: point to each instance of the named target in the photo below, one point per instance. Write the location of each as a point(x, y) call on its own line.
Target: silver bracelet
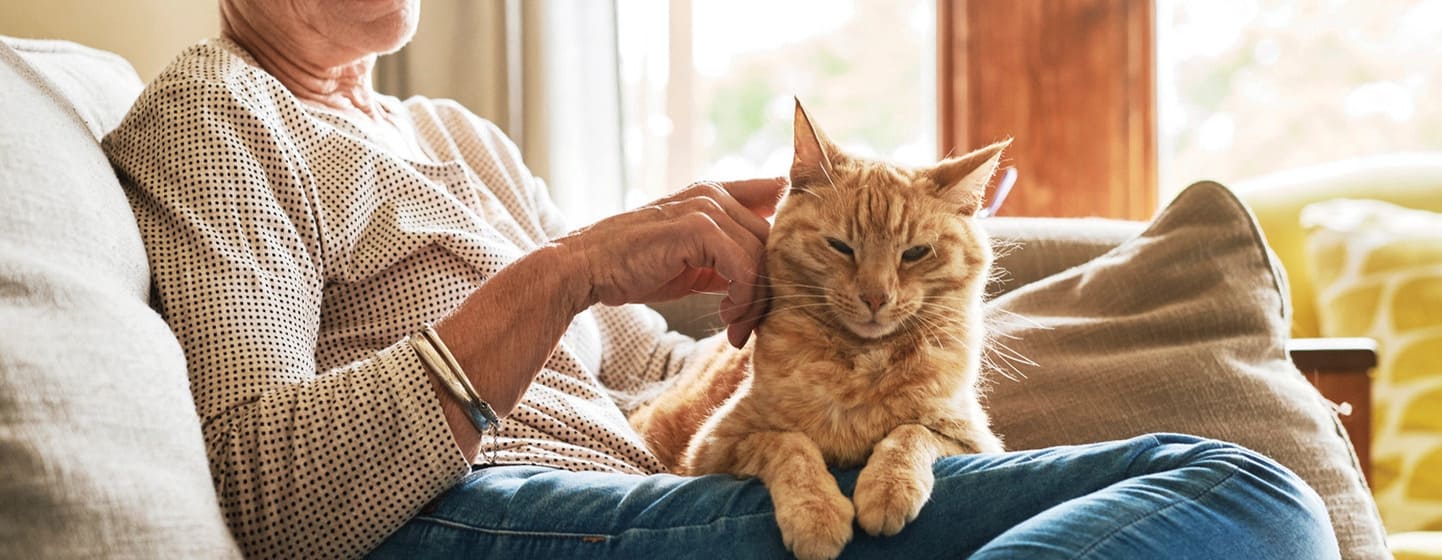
point(439, 360)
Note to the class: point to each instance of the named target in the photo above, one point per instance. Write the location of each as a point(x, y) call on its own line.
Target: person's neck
point(340, 83)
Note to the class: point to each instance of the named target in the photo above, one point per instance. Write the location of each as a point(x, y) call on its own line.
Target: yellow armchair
point(1408, 180)
point(1413, 180)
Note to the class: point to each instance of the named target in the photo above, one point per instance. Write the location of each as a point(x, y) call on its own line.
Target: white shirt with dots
point(292, 255)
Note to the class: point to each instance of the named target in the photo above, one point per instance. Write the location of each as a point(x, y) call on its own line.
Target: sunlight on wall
point(148, 33)
point(1247, 87)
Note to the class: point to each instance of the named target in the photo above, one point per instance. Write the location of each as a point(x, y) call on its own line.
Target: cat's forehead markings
point(805, 228)
point(881, 176)
point(877, 212)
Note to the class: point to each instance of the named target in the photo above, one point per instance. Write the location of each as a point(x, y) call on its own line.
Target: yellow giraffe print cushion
point(1377, 268)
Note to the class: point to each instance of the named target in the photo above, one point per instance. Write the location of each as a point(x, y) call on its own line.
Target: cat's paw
point(985, 442)
point(889, 498)
point(817, 526)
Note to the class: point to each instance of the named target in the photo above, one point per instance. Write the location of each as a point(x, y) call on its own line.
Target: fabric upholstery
point(99, 443)
point(1411, 180)
point(1181, 329)
point(99, 85)
point(1377, 269)
point(1029, 249)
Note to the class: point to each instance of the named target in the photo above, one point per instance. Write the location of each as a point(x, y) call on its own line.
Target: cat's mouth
point(871, 328)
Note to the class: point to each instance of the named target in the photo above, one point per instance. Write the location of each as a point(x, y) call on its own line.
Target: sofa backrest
point(100, 446)
point(100, 86)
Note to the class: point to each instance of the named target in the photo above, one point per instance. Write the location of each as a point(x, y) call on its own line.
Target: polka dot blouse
point(292, 255)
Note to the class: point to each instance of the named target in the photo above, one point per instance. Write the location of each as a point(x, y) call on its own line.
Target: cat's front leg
point(971, 433)
point(897, 479)
point(814, 516)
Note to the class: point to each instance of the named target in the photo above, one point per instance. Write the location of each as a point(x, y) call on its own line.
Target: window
point(1247, 88)
point(711, 97)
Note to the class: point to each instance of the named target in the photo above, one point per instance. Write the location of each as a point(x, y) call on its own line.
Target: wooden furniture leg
point(1341, 369)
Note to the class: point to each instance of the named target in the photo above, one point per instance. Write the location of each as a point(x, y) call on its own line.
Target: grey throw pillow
point(1181, 329)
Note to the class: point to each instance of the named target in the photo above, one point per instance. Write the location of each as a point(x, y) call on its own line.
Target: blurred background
point(1115, 105)
point(1245, 88)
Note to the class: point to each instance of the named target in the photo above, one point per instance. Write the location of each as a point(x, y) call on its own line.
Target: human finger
point(738, 333)
point(739, 329)
point(715, 211)
point(736, 211)
point(739, 266)
point(760, 196)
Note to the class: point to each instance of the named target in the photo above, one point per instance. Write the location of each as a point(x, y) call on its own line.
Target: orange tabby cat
point(870, 353)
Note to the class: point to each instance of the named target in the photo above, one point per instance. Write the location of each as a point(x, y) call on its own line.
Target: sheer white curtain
point(545, 71)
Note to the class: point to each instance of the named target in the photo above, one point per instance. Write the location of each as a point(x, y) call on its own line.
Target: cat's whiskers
point(949, 313)
point(1012, 315)
point(1007, 366)
point(790, 307)
point(940, 326)
point(938, 322)
point(948, 297)
point(1002, 358)
point(773, 280)
point(926, 328)
point(1006, 359)
point(769, 299)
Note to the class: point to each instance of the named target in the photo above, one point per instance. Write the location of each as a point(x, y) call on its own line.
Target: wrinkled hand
point(709, 237)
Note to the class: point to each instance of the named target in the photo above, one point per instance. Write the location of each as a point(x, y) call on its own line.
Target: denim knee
point(1167, 451)
point(1258, 475)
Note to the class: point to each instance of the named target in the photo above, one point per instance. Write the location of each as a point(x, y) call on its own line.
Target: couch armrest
point(1341, 369)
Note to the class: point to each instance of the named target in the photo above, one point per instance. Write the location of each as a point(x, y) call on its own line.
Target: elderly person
point(304, 230)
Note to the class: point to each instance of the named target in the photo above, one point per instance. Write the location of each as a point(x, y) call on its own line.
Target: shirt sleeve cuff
point(431, 443)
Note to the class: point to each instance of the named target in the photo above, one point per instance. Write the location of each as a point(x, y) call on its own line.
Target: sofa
point(1098, 330)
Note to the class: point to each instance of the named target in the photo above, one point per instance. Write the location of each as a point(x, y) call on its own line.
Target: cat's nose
point(876, 300)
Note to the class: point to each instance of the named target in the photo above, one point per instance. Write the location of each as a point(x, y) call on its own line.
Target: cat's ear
point(962, 180)
point(815, 154)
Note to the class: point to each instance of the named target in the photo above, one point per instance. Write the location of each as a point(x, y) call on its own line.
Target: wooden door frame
point(1113, 64)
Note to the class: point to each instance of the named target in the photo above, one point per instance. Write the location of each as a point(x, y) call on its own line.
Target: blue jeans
point(1156, 496)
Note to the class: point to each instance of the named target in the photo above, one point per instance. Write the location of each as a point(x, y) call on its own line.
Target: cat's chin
point(871, 329)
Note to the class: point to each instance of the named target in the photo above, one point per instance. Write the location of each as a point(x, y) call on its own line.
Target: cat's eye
point(839, 246)
point(915, 253)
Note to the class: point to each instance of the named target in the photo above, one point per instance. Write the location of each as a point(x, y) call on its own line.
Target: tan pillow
point(1181, 329)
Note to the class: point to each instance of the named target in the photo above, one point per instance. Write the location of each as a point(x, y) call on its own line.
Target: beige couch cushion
point(1181, 329)
point(1029, 249)
point(99, 85)
point(100, 447)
